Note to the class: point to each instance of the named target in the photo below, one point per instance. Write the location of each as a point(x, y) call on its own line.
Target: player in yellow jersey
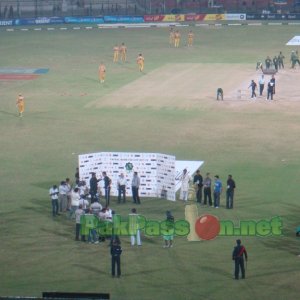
point(116, 50)
point(102, 72)
point(140, 61)
point(20, 105)
point(172, 37)
point(177, 37)
point(190, 38)
point(123, 52)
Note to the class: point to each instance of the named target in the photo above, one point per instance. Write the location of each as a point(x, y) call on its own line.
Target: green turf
point(261, 151)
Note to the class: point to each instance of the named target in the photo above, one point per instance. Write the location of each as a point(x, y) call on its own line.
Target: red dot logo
point(207, 227)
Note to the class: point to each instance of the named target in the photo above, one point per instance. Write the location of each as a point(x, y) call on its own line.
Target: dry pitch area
point(191, 86)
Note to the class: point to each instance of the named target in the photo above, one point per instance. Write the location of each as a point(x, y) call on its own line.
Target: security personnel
point(115, 251)
point(238, 254)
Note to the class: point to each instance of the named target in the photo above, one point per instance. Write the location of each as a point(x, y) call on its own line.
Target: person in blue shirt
point(217, 191)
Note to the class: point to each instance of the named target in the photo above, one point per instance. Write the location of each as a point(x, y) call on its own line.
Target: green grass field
point(258, 144)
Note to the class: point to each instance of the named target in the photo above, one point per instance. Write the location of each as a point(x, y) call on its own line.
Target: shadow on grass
point(90, 268)
point(9, 113)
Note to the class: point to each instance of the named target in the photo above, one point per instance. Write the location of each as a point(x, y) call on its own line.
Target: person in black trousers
point(107, 183)
point(230, 192)
point(253, 88)
point(207, 190)
point(94, 187)
point(270, 91)
point(238, 254)
point(198, 182)
point(115, 251)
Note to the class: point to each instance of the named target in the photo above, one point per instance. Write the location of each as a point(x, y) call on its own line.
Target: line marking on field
point(37, 29)
point(254, 24)
point(293, 23)
point(51, 28)
point(24, 29)
point(274, 24)
point(88, 27)
point(234, 24)
point(63, 28)
point(76, 28)
point(10, 29)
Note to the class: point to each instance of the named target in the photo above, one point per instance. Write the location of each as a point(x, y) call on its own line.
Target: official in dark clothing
point(230, 192)
point(198, 182)
point(107, 183)
point(273, 81)
point(270, 91)
point(253, 88)
point(94, 187)
point(238, 254)
point(115, 251)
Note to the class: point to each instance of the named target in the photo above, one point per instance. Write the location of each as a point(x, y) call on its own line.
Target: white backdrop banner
point(159, 173)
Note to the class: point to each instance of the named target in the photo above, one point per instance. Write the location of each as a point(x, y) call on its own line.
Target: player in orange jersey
point(116, 50)
point(123, 52)
point(190, 38)
point(20, 105)
point(140, 61)
point(177, 37)
point(172, 37)
point(102, 72)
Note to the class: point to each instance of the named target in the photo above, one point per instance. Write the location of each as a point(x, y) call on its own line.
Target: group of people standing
point(66, 197)
point(120, 53)
point(208, 190)
point(277, 62)
point(95, 190)
point(175, 38)
point(261, 86)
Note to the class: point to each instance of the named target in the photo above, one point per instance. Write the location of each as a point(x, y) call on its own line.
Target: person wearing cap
point(238, 254)
point(217, 191)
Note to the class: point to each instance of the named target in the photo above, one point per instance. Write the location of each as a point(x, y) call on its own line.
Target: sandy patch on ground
point(188, 86)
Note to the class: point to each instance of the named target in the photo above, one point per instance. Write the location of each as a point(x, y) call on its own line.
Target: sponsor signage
point(273, 16)
point(235, 17)
point(6, 22)
point(123, 19)
point(89, 20)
